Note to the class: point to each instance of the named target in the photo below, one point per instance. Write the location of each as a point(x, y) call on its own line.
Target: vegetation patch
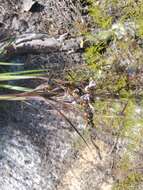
point(114, 62)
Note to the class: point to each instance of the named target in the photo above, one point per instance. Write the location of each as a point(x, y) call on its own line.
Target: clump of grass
point(130, 182)
point(6, 77)
point(100, 17)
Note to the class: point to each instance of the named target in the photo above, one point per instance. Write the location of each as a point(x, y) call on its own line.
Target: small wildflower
point(91, 86)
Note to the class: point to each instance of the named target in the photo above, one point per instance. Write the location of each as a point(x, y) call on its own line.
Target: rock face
point(37, 150)
point(52, 17)
point(34, 148)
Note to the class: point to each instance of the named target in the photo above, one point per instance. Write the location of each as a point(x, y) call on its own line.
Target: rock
point(36, 7)
point(26, 5)
point(37, 146)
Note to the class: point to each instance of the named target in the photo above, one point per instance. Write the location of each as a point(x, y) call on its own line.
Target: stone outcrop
point(37, 147)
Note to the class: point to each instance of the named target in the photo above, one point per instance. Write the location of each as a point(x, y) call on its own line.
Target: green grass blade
point(28, 72)
point(16, 77)
point(9, 63)
point(11, 98)
point(17, 88)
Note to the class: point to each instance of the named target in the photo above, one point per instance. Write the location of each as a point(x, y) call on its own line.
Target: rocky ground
point(39, 150)
point(37, 147)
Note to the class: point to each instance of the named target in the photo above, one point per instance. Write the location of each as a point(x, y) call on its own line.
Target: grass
point(6, 77)
point(115, 63)
point(46, 93)
point(100, 17)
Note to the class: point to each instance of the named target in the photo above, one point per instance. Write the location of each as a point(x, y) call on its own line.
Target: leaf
point(28, 72)
point(11, 98)
point(15, 77)
point(9, 63)
point(18, 88)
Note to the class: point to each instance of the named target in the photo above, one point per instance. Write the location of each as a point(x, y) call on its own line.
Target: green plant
point(131, 182)
point(7, 77)
point(115, 64)
point(100, 17)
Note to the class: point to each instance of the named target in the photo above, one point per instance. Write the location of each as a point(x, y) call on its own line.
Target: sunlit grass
point(7, 77)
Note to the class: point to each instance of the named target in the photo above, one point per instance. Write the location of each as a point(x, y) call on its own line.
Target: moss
point(131, 182)
point(115, 64)
point(99, 15)
point(101, 19)
point(109, 11)
point(129, 178)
